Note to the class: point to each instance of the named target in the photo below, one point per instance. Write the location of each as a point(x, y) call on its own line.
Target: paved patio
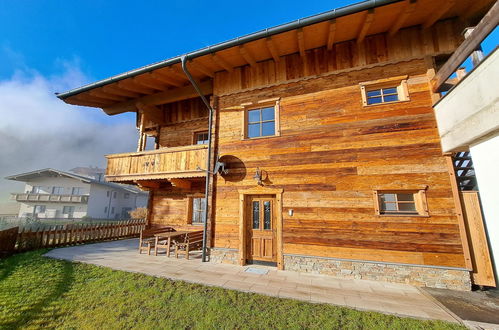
point(398, 299)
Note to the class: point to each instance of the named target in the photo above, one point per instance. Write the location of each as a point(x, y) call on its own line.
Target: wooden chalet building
point(323, 139)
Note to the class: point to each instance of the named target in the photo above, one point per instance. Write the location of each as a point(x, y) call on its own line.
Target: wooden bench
point(192, 241)
point(147, 239)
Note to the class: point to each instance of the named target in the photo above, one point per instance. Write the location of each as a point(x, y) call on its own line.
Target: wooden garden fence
point(14, 240)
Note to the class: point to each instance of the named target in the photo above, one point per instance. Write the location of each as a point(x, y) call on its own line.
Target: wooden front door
point(261, 228)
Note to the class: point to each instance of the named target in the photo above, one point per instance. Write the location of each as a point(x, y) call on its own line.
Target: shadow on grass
point(63, 283)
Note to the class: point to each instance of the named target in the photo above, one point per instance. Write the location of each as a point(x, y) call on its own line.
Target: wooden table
point(167, 235)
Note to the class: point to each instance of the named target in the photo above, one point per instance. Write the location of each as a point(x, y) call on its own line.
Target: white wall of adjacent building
point(60, 186)
point(485, 156)
point(104, 201)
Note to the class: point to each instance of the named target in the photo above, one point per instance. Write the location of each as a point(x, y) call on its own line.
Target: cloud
point(37, 130)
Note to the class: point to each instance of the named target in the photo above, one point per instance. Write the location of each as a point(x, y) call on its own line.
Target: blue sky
point(108, 37)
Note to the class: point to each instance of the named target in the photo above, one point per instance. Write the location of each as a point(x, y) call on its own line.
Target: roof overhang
point(164, 82)
point(47, 172)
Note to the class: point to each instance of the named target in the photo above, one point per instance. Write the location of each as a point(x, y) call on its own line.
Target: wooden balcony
point(50, 198)
point(167, 163)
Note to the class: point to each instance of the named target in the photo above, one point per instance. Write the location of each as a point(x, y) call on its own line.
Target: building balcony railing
point(167, 163)
point(50, 198)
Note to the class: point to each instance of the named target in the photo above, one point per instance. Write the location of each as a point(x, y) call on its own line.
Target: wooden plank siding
point(332, 152)
point(329, 164)
point(442, 38)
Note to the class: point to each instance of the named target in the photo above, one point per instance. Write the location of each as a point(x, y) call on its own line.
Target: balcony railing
point(51, 198)
point(167, 163)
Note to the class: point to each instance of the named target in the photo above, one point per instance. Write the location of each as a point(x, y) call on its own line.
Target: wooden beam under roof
point(271, 46)
point(151, 112)
point(112, 89)
point(168, 96)
point(87, 98)
point(198, 67)
point(164, 78)
point(301, 42)
point(177, 72)
point(247, 56)
point(129, 85)
point(331, 34)
point(147, 81)
point(368, 20)
point(102, 94)
point(443, 7)
point(180, 183)
point(409, 8)
point(223, 63)
point(84, 103)
point(472, 10)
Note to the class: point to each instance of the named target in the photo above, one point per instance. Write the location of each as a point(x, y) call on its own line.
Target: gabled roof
point(165, 80)
point(50, 172)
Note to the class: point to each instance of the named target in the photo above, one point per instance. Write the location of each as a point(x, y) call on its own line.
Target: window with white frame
point(58, 190)
point(39, 209)
point(36, 190)
point(68, 210)
point(77, 191)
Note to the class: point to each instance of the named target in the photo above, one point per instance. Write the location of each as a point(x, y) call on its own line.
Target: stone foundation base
point(434, 277)
point(224, 256)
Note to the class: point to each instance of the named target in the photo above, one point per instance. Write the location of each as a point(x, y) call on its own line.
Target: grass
point(38, 292)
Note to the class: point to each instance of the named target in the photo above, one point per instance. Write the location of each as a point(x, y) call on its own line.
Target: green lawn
point(38, 292)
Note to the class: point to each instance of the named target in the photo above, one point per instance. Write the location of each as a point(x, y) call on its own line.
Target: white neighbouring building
point(468, 119)
point(54, 194)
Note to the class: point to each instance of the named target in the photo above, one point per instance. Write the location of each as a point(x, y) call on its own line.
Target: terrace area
point(389, 298)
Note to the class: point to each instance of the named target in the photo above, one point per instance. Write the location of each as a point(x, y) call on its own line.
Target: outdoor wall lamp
point(260, 176)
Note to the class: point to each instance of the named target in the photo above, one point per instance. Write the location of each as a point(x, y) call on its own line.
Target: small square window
point(401, 203)
point(126, 195)
point(384, 91)
point(201, 138)
point(261, 122)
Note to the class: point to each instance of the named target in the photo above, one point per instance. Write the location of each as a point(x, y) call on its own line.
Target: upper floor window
point(384, 91)
point(77, 191)
point(401, 202)
point(261, 122)
point(126, 195)
point(108, 193)
point(37, 190)
point(58, 190)
point(115, 194)
point(382, 95)
point(201, 138)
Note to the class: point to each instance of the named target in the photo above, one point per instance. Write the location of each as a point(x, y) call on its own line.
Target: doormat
point(259, 271)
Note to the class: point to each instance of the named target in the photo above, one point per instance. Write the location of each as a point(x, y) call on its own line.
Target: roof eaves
point(302, 22)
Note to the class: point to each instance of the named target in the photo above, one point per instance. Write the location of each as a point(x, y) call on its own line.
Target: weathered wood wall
point(333, 152)
point(409, 43)
point(183, 119)
point(331, 155)
point(170, 206)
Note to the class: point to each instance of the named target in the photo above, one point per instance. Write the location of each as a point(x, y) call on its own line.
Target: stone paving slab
point(388, 298)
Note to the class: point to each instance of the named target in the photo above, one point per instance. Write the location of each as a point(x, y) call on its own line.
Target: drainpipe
point(183, 59)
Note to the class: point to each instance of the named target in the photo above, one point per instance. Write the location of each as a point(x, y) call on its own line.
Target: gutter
point(299, 23)
point(208, 159)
